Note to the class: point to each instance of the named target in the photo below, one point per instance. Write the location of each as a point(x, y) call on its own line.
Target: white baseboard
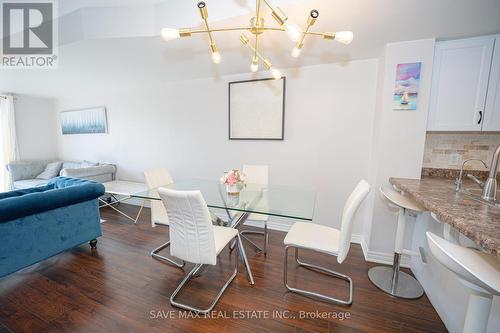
point(382, 257)
point(371, 256)
point(273, 225)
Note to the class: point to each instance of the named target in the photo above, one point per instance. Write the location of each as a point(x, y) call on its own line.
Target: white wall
point(399, 137)
point(36, 127)
point(184, 126)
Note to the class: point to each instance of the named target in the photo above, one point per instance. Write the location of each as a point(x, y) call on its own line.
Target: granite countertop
point(478, 221)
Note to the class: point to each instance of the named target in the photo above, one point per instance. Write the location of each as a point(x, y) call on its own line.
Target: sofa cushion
point(86, 164)
point(25, 170)
point(51, 171)
point(60, 192)
point(71, 165)
point(27, 183)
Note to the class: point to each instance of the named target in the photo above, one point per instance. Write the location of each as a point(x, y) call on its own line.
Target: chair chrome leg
point(154, 254)
point(319, 269)
point(188, 277)
point(200, 269)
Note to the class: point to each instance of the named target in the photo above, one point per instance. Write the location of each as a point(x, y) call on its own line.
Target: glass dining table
point(272, 200)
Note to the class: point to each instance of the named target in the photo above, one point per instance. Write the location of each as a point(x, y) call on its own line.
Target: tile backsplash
point(448, 151)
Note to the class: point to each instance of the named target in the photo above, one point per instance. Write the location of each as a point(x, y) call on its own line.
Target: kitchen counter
point(478, 221)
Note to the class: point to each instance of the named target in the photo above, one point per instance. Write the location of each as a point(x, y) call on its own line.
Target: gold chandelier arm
point(245, 41)
point(326, 35)
point(300, 43)
point(257, 21)
point(273, 29)
point(257, 9)
point(197, 31)
point(209, 32)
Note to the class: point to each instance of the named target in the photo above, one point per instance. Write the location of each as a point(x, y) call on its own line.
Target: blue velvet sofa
point(37, 223)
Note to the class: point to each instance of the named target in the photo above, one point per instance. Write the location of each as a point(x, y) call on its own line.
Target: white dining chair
point(154, 179)
point(257, 174)
point(195, 239)
point(327, 240)
point(479, 272)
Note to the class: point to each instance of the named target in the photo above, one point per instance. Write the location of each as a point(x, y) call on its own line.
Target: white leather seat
point(314, 236)
point(223, 235)
point(326, 240)
point(478, 271)
point(154, 179)
point(194, 239)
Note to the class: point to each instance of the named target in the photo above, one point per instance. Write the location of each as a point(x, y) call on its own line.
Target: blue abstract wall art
point(84, 121)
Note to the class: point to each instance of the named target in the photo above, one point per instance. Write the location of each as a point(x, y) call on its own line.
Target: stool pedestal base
point(394, 282)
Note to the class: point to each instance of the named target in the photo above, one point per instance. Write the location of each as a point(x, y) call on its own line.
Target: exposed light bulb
point(275, 73)
point(293, 31)
point(216, 58)
point(169, 34)
point(344, 37)
point(254, 67)
point(296, 52)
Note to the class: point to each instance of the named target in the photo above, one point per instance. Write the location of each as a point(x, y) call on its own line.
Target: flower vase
point(232, 189)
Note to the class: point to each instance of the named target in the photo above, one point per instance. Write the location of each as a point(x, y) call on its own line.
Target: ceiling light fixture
point(257, 27)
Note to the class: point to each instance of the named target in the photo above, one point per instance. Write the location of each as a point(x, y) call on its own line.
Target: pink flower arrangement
point(232, 177)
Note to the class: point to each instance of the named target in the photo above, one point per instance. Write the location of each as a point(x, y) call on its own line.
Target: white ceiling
point(110, 42)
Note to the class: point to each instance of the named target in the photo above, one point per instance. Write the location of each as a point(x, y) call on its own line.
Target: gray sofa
point(24, 173)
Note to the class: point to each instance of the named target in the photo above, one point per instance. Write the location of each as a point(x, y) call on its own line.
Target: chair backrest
point(157, 177)
point(256, 174)
point(191, 230)
point(351, 206)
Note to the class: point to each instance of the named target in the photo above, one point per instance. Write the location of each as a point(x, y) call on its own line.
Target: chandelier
point(257, 28)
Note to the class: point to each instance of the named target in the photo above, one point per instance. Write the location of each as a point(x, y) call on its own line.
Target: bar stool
point(391, 279)
point(453, 235)
point(480, 272)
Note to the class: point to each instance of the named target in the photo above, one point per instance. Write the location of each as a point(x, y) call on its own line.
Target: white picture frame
point(257, 109)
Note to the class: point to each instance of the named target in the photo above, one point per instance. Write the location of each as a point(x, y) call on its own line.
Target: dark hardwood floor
point(122, 289)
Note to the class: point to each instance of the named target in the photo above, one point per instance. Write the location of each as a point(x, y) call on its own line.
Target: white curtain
point(8, 141)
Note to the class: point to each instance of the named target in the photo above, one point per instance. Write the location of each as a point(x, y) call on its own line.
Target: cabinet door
point(459, 84)
point(492, 111)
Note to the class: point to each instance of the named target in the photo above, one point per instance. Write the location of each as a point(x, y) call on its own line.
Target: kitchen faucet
point(458, 181)
point(490, 186)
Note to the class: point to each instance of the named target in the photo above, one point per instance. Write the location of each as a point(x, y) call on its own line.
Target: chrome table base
point(394, 282)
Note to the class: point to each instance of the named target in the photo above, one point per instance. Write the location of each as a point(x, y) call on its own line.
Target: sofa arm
point(25, 170)
point(60, 192)
point(89, 171)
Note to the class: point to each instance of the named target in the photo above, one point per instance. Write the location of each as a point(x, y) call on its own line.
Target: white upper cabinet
point(460, 84)
point(492, 111)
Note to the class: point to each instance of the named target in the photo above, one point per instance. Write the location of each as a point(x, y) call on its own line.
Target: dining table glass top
point(273, 200)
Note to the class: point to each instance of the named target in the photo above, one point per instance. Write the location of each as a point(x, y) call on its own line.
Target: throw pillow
point(87, 164)
point(51, 171)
